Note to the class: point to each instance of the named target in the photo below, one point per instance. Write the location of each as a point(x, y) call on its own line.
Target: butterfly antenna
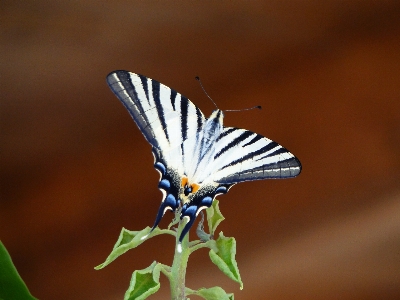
point(198, 79)
point(257, 106)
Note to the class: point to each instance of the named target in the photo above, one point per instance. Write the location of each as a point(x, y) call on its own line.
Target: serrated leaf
point(126, 236)
point(144, 283)
point(214, 293)
point(128, 240)
point(11, 284)
point(224, 258)
point(214, 216)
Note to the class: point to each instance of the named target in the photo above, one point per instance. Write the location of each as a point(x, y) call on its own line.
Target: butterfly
point(198, 158)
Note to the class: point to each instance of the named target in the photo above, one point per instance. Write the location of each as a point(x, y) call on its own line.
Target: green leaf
point(144, 282)
point(11, 284)
point(131, 239)
point(224, 258)
point(214, 217)
point(214, 293)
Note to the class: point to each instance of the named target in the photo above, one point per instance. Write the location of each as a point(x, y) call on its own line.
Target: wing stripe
point(199, 119)
point(225, 133)
point(243, 136)
point(278, 151)
point(143, 79)
point(184, 115)
point(172, 98)
point(255, 139)
point(160, 109)
point(264, 149)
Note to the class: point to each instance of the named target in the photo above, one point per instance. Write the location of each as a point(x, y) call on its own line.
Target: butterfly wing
point(169, 122)
point(162, 114)
point(242, 155)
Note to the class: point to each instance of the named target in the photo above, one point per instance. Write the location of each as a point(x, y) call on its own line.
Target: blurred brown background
point(75, 169)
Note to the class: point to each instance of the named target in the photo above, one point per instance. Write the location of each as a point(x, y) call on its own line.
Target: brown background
point(75, 169)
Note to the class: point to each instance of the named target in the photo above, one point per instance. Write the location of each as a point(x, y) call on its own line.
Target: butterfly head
point(217, 116)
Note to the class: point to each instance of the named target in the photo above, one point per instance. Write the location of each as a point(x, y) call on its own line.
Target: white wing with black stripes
point(243, 155)
point(162, 114)
point(197, 158)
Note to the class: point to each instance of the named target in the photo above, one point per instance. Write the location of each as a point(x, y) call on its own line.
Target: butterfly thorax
point(205, 149)
point(213, 126)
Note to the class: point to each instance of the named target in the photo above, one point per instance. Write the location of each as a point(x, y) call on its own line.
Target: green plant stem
point(178, 269)
point(167, 231)
point(209, 244)
point(166, 270)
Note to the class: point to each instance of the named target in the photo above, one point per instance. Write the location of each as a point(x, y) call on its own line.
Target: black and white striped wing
point(165, 117)
point(242, 155)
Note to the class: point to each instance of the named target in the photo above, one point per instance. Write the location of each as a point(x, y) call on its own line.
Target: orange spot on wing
point(184, 181)
point(195, 187)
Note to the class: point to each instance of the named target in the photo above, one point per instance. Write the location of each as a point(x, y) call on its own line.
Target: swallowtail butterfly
point(198, 158)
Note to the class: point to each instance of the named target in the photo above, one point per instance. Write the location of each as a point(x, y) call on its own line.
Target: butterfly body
point(197, 157)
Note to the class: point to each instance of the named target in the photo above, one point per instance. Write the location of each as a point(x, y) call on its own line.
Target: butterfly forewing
point(161, 113)
point(244, 155)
